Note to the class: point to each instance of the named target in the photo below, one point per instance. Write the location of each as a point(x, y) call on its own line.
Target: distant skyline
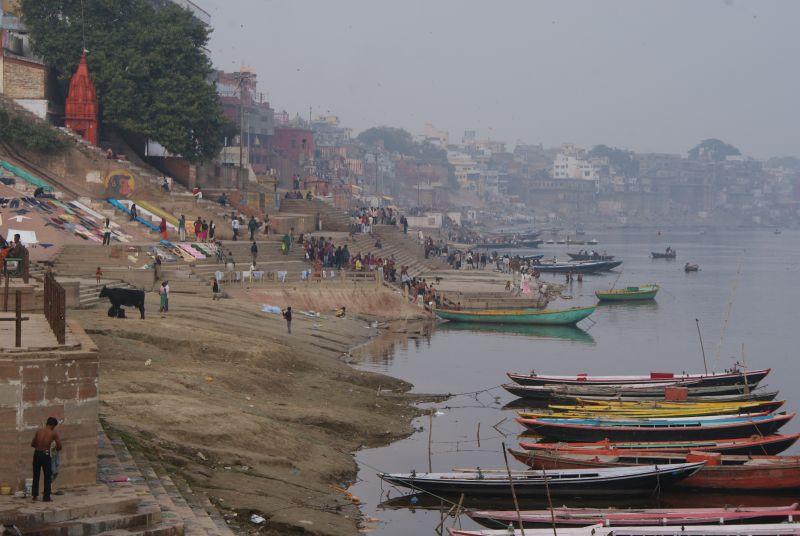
point(643, 75)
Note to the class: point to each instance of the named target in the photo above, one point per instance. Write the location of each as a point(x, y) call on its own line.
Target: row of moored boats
point(636, 436)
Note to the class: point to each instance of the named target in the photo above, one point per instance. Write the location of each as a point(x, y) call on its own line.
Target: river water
point(749, 277)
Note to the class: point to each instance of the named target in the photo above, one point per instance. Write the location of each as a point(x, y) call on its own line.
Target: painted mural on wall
point(120, 183)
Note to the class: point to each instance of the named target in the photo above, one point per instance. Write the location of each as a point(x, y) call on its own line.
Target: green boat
point(543, 317)
point(645, 292)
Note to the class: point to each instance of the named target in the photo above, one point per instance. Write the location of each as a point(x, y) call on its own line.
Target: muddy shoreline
point(257, 420)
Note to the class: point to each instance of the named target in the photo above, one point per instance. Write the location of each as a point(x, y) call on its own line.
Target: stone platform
point(130, 498)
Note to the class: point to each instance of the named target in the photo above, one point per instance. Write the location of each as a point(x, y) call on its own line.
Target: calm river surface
point(626, 339)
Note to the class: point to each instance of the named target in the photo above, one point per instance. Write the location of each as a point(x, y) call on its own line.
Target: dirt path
point(259, 420)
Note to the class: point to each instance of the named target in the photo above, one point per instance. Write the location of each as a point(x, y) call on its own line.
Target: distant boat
point(544, 317)
point(777, 231)
point(687, 529)
point(593, 242)
point(587, 267)
point(691, 267)
point(728, 377)
point(666, 255)
point(590, 257)
point(550, 242)
point(645, 292)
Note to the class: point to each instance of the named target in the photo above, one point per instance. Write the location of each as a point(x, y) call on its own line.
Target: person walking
point(287, 314)
point(235, 227)
point(182, 228)
point(134, 212)
point(107, 232)
point(252, 226)
point(163, 294)
point(212, 230)
point(216, 294)
point(42, 461)
point(254, 252)
point(162, 227)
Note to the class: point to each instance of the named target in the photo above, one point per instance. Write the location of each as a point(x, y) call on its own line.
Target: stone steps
point(151, 479)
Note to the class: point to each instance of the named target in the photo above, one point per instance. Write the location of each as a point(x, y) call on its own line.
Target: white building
point(571, 163)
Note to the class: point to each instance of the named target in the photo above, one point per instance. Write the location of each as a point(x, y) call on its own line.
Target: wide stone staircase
point(406, 249)
point(333, 219)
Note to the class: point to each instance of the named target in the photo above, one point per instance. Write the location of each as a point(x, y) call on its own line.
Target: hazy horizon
point(647, 76)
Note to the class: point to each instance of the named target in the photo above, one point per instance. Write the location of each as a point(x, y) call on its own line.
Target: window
point(294, 143)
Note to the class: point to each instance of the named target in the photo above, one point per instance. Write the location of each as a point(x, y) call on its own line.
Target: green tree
point(148, 65)
point(619, 159)
point(20, 130)
point(713, 149)
point(398, 140)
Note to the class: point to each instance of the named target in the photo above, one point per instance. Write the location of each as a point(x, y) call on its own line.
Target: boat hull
point(758, 474)
point(537, 485)
point(538, 317)
point(769, 445)
point(643, 293)
point(535, 392)
point(728, 378)
point(578, 268)
point(732, 430)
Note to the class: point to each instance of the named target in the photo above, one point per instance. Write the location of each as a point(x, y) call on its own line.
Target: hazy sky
point(645, 75)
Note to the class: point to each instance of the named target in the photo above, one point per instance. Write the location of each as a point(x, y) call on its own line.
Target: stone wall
point(23, 79)
point(37, 385)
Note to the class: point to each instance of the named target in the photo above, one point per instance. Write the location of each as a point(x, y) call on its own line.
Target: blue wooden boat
point(545, 317)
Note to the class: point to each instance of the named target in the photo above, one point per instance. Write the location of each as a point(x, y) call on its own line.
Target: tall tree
point(149, 66)
point(398, 140)
point(713, 149)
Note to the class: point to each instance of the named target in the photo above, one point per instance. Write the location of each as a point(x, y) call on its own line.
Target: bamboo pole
point(430, 440)
point(744, 364)
point(513, 491)
point(479, 434)
point(702, 349)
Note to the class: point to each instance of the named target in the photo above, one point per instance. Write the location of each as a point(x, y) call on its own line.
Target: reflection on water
point(568, 333)
point(628, 338)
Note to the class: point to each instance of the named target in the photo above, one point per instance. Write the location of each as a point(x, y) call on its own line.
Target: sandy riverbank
point(258, 420)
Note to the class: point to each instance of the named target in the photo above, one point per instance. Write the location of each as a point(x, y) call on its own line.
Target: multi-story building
point(245, 107)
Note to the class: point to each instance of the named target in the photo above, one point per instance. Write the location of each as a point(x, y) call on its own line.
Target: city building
point(248, 109)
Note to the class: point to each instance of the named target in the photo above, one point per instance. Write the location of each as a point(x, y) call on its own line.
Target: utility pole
point(241, 78)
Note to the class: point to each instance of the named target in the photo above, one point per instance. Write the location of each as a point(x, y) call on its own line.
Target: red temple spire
point(81, 107)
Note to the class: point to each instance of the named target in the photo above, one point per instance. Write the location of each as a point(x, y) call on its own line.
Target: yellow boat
point(698, 410)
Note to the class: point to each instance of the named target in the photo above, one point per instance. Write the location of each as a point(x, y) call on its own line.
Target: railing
point(55, 307)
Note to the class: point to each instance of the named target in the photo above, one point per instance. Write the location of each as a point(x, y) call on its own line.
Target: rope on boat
point(728, 314)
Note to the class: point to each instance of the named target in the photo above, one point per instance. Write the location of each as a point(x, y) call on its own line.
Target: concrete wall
point(38, 385)
point(23, 79)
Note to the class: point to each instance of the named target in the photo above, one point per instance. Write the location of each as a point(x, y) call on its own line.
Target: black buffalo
point(122, 296)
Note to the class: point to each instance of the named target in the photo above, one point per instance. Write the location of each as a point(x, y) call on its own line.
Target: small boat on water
point(593, 256)
point(617, 517)
point(644, 292)
point(765, 529)
point(754, 445)
point(727, 377)
point(582, 267)
point(663, 430)
point(646, 390)
point(721, 472)
point(546, 317)
point(669, 254)
point(596, 482)
point(592, 242)
point(691, 267)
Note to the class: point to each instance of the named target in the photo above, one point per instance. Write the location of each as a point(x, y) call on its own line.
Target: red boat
point(581, 517)
point(757, 445)
point(724, 473)
point(730, 377)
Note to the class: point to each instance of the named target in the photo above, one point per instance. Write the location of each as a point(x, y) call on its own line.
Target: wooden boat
point(592, 242)
point(754, 445)
point(655, 409)
point(756, 394)
point(659, 391)
point(666, 255)
point(584, 267)
point(590, 257)
point(546, 317)
point(714, 378)
point(765, 529)
point(569, 333)
point(603, 482)
point(721, 472)
point(586, 430)
point(617, 517)
point(644, 292)
point(691, 267)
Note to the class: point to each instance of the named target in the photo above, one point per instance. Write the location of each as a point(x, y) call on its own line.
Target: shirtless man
point(41, 457)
